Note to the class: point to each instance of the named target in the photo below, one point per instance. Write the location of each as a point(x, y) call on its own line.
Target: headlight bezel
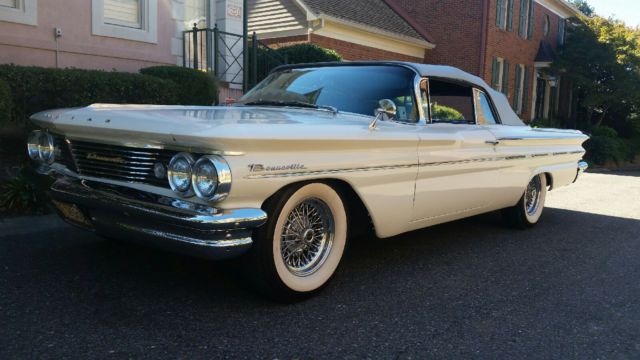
point(49, 146)
point(188, 191)
point(41, 147)
point(223, 178)
point(33, 145)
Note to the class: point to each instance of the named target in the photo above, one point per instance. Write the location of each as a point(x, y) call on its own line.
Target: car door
point(456, 175)
point(511, 149)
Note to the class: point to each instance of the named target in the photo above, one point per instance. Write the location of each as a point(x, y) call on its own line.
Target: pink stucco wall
point(35, 45)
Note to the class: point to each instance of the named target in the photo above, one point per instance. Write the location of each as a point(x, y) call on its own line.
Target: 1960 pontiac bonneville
point(310, 156)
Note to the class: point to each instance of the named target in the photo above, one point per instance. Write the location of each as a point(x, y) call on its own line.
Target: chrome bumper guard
point(173, 224)
point(582, 167)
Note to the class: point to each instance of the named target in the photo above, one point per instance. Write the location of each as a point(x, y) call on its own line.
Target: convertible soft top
point(507, 115)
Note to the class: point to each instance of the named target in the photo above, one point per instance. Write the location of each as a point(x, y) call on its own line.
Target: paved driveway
point(567, 289)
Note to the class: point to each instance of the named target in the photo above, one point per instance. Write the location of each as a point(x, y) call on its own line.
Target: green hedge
point(194, 87)
point(5, 101)
point(295, 54)
point(604, 146)
point(36, 89)
point(307, 53)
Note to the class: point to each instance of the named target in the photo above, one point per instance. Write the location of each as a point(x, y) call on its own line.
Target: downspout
point(483, 40)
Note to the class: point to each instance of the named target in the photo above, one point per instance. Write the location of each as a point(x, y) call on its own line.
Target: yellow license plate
point(71, 212)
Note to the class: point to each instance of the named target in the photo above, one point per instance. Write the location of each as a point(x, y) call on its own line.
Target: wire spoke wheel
point(532, 196)
point(307, 237)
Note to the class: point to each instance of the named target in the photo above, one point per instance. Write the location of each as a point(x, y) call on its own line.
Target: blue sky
point(625, 10)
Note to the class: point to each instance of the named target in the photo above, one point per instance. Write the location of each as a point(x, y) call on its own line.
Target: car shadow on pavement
point(113, 268)
point(467, 275)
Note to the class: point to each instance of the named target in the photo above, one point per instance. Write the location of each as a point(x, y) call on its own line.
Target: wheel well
point(549, 180)
point(360, 222)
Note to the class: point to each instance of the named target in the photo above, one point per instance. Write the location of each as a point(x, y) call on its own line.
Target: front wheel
point(300, 247)
point(526, 213)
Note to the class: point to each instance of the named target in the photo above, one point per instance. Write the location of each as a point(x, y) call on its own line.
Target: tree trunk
point(601, 119)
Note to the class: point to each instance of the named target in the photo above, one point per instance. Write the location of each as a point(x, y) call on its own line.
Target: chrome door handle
point(492, 142)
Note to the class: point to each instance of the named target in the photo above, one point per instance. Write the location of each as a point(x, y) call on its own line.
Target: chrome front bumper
point(173, 224)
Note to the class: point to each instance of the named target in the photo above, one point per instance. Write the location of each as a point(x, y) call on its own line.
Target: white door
point(457, 175)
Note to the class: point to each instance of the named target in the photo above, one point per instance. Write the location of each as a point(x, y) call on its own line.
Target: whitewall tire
point(300, 247)
point(527, 212)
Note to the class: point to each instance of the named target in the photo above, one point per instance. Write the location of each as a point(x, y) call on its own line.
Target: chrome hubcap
point(307, 237)
point(532, 196)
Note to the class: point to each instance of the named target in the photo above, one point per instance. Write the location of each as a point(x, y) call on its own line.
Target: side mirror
point(387, 107)
point(386, 110)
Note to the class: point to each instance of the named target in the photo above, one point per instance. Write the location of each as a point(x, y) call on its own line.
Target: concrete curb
point(24, 225)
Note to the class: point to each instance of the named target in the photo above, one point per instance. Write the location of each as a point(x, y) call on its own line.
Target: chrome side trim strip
point(507, 138)
point(329, 171)
point(405, 166)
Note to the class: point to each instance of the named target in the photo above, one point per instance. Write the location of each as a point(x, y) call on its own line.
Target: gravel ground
point(567, 289)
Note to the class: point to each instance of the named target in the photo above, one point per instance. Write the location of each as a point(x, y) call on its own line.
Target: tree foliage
point(602, 60)
point(584, 7)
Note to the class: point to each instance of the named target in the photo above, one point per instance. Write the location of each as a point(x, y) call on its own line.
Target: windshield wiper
point(282, 103)
point(301, 104)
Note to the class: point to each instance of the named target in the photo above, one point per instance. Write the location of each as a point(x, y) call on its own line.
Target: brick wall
point(275, 43)
point(466, 36)
point(508, 45)
point(456, 29)
point(351, 51)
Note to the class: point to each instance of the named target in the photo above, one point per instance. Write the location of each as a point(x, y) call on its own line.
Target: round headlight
point(46, 148)
point(204, 178)
point(211, 178)
point(179, 173)
point(40, 147)
point(33, 143)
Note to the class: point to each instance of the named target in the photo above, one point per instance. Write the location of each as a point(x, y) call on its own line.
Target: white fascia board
point(378, 32)
point(560, 7)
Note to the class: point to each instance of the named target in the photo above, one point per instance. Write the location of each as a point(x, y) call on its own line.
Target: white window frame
point(26, 13)
point(524, 33)
point(562, 31)
point(500, 74)
point(520, 105)
point(547, 25)
point(505, 15)
point(147, 33)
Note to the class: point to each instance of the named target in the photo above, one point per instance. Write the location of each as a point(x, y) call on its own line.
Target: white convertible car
point(311, 156)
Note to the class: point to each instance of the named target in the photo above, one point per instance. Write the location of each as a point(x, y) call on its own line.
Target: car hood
point(222, 127)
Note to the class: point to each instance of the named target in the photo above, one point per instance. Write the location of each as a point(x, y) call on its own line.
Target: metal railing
point(222, 53)
point(263, 59)
point(215, 51)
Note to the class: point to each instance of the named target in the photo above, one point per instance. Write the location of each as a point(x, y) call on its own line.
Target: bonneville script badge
point(261, 168)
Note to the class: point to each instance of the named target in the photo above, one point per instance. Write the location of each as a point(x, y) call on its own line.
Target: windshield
point(355, 89)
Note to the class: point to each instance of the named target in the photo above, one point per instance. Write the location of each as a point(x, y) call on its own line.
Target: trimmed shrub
point(307, 53)
point(5, 101)
point(605, 145)
point(194, 87)
point(36, 89)
point(269, 59)
point(446, 113)
point(24, 194)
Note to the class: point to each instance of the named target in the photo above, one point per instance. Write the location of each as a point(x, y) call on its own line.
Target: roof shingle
point(372, 13)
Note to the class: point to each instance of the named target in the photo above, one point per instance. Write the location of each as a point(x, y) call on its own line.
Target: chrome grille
point(120, 162)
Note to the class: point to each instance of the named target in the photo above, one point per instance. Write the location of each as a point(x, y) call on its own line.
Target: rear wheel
point(526, 213)
point(300, 247)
